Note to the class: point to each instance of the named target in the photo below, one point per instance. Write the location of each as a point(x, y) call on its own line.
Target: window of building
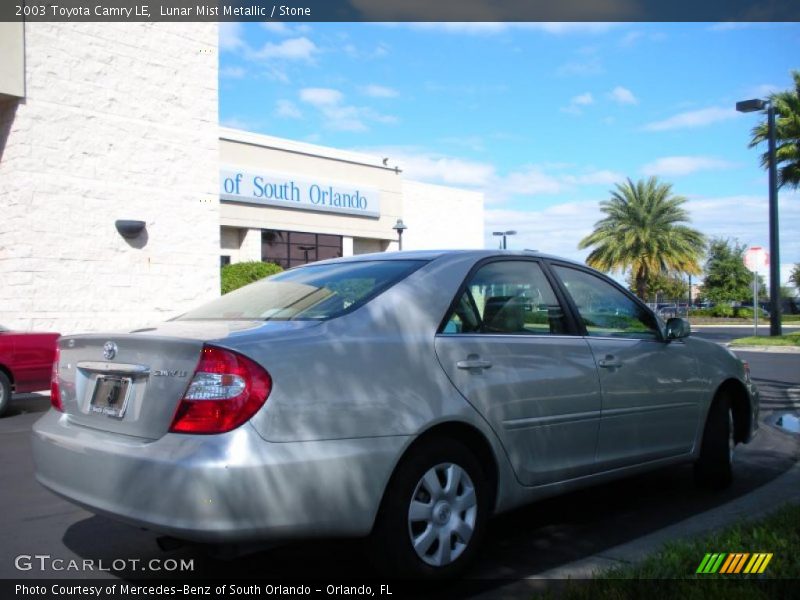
point(294, 248)
point(224, 260)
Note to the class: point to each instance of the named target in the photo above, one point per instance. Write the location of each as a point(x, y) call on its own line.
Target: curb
point(756, 504)
point(773, 349)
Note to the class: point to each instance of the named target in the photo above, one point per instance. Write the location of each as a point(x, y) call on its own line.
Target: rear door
point(651, 390)
point(511, 350)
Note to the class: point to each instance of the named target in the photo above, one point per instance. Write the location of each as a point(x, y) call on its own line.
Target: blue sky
point(543, 118)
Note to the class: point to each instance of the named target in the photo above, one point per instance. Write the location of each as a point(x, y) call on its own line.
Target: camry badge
point(109, 350)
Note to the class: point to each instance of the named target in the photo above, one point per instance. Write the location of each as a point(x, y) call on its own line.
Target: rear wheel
point(433, 513)
point(714, 467)
point(5, 393)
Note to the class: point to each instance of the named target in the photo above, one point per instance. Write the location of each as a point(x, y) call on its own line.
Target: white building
point(105, 122)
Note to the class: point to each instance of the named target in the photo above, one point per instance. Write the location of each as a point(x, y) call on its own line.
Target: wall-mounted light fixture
point(129, 229)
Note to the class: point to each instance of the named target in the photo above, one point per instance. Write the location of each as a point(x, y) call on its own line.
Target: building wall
point(119, 122)
point(244, 149)
point(12, 66)
point(441, 218)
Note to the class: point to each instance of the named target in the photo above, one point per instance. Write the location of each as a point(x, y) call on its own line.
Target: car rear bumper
point(218, 488)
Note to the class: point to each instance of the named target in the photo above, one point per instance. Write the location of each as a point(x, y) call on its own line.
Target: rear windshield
point(316, 292)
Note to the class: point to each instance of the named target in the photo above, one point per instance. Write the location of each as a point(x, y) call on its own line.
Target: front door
point(651, 390)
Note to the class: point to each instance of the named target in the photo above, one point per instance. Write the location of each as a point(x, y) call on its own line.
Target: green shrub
point(240, 274)
point(722, 310)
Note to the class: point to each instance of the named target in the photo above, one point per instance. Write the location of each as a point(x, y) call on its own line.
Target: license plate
point(110, 396)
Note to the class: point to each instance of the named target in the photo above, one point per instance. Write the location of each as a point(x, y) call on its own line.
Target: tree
point(644, 230)
point(794, 276)
point(787, 134)
point(727, 279)
point(669, 285)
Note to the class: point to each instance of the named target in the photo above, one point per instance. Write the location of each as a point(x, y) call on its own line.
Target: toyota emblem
point(109, 350)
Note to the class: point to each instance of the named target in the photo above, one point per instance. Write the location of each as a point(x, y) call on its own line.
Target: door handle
point(609, 362)
point(474, 363)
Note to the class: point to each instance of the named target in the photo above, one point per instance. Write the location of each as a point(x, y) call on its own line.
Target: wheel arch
point(7, 372)
point(472, 438)
point(740, 407)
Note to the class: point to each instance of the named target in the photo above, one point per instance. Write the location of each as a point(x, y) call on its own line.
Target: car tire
point(5, 394)
point(714, 467)
point(433, 515)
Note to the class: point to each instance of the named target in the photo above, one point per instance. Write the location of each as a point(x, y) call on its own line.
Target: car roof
point(429, 255)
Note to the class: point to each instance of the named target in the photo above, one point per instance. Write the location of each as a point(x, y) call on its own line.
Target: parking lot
point(521, 543)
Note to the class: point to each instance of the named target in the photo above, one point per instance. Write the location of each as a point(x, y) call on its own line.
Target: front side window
point(605, 310)
point(507, 297)
point(316, 292)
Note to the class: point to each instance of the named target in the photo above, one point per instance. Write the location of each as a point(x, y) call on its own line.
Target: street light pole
point(503, 244)
point(774, 241)
point(400, 227)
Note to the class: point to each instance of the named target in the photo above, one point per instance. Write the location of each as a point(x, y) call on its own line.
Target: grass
point(671, 573)
point(791, 339)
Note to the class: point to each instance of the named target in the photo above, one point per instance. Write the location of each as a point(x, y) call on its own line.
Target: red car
point(26, 362)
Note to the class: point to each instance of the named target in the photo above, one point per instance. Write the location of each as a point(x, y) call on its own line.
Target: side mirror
point(678, 328)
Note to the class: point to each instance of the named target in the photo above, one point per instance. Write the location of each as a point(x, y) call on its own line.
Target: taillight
point(55, 391)
point(226, 390)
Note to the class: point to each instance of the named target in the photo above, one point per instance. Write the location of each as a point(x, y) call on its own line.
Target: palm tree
point(644, 230)
point(787, 134)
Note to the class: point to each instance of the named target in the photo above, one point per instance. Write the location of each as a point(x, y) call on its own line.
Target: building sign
point(289, 191)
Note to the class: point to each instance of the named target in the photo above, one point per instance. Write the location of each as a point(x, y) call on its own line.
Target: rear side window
point(507, 297)
point(315, 292)
point(605, 310)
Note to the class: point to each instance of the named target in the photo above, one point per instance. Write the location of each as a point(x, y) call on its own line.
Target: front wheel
point(433, 513)
point(714, 467)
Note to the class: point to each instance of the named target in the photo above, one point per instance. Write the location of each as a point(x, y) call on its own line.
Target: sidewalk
point(775, 349)
point(759, 503)
point(752, 506)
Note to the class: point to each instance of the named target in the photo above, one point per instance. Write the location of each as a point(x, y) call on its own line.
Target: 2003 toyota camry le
point(407, 396)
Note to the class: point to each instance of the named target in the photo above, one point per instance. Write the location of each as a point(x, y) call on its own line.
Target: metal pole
point(504, 241)
point(755, 303)
point(774, 253)
point(399, 240)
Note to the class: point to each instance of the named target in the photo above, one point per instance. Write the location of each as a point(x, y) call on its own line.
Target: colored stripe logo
point(734, 563)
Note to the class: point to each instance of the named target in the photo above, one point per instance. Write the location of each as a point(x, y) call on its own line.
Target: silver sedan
point(403, 396)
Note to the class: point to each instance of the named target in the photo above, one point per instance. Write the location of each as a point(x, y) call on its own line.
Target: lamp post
point(504, 234)
point(746, 106)
point(305, 250)
point(400, 227)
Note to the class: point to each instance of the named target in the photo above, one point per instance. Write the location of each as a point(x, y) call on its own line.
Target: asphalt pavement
point(534, 539)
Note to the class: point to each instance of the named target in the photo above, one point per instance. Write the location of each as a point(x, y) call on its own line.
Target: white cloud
point(576, 102)
point(591, 66)
point(527, 181)
point(630, 38)
point(693, 118)
point(557, 229)
point(496, 27)
point(684, 165)
point(379, 91)
point(276, 27)
point(623, 95)
point(232, 72)
point(596, 177)
point(321, 96)
point(299, 49)
point(442, 169)
point(287, 109)
point(231, 36)
point(337, 115)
